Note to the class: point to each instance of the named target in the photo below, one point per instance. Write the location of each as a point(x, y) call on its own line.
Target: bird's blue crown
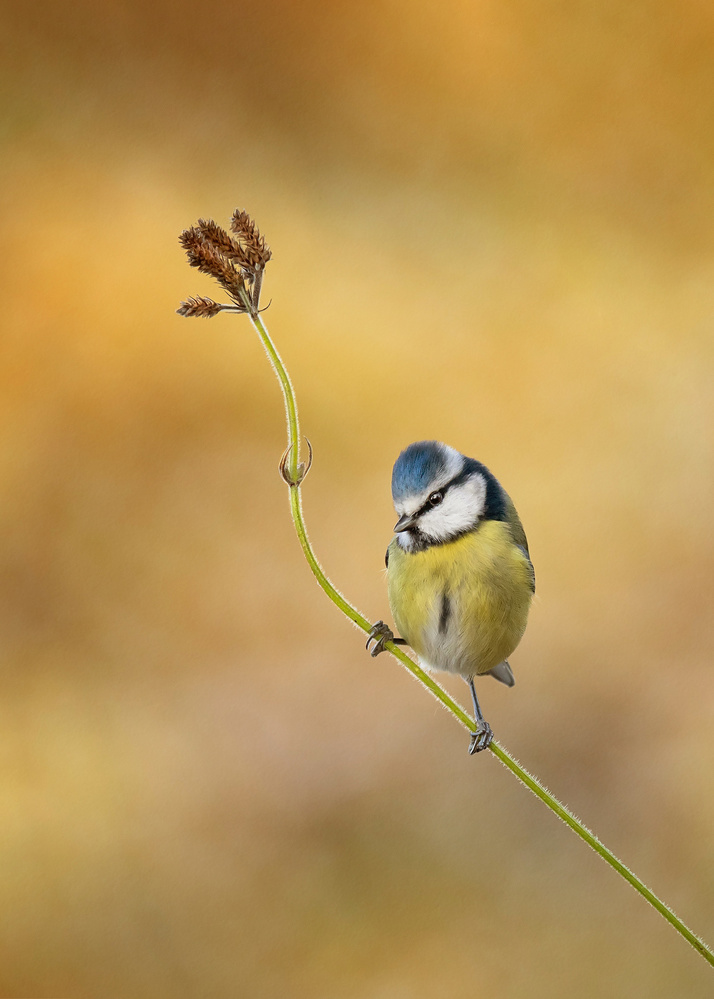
point(417, 467)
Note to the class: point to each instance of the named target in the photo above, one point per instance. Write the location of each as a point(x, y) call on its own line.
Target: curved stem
point(283, 377)
point(441, 695)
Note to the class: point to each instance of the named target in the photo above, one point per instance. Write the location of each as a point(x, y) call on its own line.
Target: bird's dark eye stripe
point(457, 479)
point(495, 505)
point(429, 505)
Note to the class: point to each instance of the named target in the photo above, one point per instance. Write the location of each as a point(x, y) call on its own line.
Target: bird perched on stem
point(459, 572)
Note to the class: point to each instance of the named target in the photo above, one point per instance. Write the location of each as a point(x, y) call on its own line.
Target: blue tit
point(459, 572)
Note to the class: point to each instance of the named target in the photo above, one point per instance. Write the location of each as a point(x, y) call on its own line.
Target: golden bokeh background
point(492, 224)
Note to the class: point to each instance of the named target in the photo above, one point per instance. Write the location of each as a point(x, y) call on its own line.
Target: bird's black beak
point(404, 523)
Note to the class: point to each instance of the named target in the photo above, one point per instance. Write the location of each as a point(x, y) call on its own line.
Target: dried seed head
point(243, 225)
point(257, 250)
point(208, 259)
point(200, 308)
point(223, 242)
point(236, 262)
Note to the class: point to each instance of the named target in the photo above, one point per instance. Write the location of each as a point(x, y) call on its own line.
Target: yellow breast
point(463, 605)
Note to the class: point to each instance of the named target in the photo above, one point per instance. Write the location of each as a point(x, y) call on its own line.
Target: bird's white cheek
point(460, 510)
point(446, 520)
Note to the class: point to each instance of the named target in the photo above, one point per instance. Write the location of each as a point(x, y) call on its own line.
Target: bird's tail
point(504, 673)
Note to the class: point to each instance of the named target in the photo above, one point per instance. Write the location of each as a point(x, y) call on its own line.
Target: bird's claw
point(481, 738)
point(379, 634)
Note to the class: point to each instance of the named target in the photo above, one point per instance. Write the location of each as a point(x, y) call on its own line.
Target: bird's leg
point(380, 634)
point(481, 738)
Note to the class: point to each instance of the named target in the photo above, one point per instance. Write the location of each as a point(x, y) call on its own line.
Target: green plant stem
point(291, 413)
point(441, 695)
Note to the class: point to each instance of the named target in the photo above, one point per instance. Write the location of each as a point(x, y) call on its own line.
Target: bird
point(459, 573)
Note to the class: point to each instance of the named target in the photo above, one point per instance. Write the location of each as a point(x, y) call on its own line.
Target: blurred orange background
point(492, 225)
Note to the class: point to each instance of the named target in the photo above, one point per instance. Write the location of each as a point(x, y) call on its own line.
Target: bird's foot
point(481, 738)
point(379, 634)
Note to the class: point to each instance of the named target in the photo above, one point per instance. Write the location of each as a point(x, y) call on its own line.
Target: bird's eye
point(435, 499)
